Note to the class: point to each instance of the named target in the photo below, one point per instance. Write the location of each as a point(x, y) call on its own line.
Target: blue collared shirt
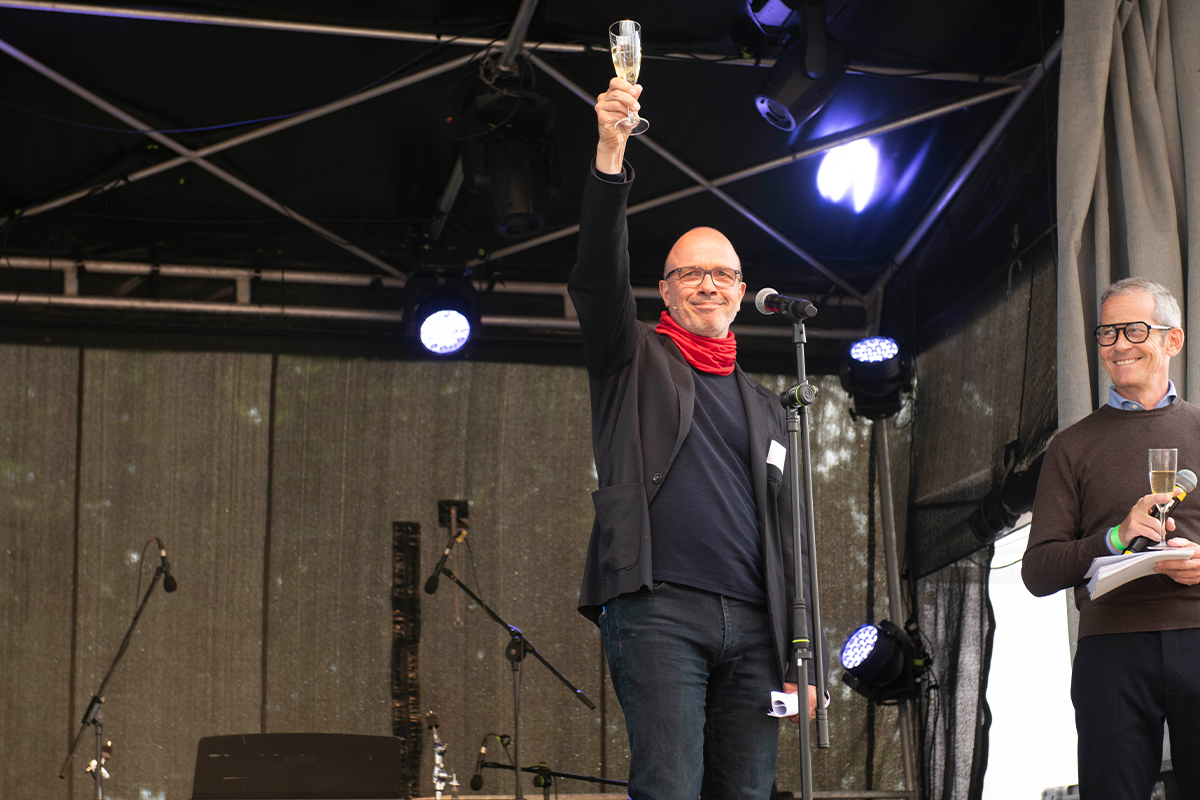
point(1117, 401)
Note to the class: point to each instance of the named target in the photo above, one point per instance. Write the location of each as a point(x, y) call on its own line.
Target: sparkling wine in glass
point(1162, 481)
point(625, 38)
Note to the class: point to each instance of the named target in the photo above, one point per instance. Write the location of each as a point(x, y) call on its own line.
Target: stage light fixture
point(509, 156)
point(849, 172)
point(442, 312)
point(876, 373)
point(883, 663)
point(806, 74)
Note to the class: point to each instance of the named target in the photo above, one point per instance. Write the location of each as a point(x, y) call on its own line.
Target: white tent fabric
point(1128, 165)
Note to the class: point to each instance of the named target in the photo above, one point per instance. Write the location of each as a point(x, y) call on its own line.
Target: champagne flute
point(625, 37)
point(1162, 481)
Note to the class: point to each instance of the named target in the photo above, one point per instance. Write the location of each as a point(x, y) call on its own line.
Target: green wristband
point(1114, 538)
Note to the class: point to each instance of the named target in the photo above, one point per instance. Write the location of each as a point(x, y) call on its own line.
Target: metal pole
point(446, 201)
point(516, 36)
point(191, 156)
point(303, 276)
point(516, 741)
point(799, 339)
point(346, 314)
point(192, 307)
point(895, 598)
point(982, 149)
point(438, 38)
point(242, 277)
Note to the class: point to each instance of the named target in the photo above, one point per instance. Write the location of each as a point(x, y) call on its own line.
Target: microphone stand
point(797, 400)
point(516, 650)
point(546, 773)
point(94, 716)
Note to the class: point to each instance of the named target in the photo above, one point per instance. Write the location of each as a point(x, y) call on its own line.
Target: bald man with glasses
point(689, 571)
point(1138, 657)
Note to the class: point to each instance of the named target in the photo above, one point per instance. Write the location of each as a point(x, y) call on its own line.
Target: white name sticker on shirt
point(776, 454)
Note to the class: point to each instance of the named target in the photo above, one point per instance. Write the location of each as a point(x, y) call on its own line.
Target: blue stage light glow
point(849, 172)
point(874, 349)
point(445, 332)
point(859, 646)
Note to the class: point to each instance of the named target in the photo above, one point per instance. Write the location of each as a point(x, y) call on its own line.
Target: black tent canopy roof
point(351, 122)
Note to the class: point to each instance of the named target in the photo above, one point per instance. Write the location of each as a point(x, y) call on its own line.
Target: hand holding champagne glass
point(625, 38)
point(1162, 481)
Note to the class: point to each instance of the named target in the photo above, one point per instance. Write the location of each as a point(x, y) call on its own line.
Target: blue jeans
point(693, 671)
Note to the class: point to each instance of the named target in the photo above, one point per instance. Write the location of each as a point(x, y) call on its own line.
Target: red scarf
point(717, 356)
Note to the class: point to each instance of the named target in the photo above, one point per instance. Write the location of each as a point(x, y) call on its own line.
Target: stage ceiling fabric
point(305, 160)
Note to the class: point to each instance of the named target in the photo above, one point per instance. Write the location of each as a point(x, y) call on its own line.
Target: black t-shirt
point(703, 521)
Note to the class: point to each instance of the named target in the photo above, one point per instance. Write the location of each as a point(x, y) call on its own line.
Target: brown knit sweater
point(1093, 473)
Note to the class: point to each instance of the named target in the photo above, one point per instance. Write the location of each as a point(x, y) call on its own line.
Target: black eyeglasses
point(1135, 332)
point(722, 277)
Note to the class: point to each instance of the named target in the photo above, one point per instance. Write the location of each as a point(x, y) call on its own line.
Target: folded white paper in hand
point(784, 704)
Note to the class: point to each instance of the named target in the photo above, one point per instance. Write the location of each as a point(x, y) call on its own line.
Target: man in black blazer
point(689, 570)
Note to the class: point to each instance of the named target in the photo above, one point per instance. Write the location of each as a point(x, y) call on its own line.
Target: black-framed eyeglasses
point(1135, 332)
point(722, 277)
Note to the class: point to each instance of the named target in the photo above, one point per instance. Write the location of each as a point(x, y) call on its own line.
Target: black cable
point(504, 745)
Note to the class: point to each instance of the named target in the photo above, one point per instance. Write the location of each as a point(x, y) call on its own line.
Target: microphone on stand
point(769, 301)
point(477, 778)
point(169, 582)
point(1185, 481)
point(432, 584)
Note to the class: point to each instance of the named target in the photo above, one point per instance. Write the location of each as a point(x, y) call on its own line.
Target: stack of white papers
point(1109, 572)
point(784, 705)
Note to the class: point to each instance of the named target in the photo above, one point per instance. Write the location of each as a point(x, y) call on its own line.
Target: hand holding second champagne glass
point(1163, 463)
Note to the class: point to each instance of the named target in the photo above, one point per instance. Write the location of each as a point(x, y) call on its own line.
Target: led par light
point(876, 373)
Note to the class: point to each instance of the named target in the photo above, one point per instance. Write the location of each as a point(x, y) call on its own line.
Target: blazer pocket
point(621, 516)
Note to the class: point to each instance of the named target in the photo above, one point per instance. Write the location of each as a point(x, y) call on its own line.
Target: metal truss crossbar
point(197, 157)
point(815, 148)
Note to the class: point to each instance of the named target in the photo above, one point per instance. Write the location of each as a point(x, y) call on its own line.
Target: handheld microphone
point(477, 779)
point(1185, 481)
point(769, 301)
point(169, 582)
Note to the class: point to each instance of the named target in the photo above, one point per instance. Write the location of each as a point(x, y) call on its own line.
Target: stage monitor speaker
point(298, 766)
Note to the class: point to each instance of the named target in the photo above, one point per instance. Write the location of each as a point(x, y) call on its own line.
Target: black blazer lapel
point(685, 390)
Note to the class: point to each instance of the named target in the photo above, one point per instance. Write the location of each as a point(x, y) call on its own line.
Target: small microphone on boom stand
point(477, 778)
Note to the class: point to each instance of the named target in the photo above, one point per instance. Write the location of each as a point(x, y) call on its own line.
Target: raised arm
point(599, 282)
